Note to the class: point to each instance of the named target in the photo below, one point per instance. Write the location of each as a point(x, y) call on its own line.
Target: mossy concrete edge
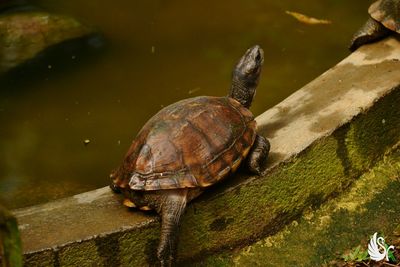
point(322, 171)
point(246, 213)
point(340, 142)
point(325, 235)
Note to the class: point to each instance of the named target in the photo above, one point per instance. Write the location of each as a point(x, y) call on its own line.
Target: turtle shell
point(386, 12)
point(193, 143)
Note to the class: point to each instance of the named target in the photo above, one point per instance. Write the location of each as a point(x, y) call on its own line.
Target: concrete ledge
point(323, 137)
point(322, 236)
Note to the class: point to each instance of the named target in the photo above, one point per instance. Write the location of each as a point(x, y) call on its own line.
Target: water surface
point(157, 52)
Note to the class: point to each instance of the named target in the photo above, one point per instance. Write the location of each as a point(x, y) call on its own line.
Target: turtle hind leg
point(172, 207)
point(258, 155)
point(370, 32)
point(115, 189)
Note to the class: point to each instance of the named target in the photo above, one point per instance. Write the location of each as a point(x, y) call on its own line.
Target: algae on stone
point(265, 204)
point(10, 242)
point(24, 35)
point(324, 235)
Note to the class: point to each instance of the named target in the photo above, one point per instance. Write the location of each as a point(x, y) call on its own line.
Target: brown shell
point(192, 143)
point(386, 12)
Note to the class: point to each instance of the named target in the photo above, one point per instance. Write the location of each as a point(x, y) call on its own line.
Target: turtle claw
point(127, 202)
point(258, 155)
point(263, 172)
point(145, 208)
point(115, 189)
point(370, 32)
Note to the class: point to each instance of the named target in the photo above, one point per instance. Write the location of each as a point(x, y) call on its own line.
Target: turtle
point(384, 19)
point(190, 145)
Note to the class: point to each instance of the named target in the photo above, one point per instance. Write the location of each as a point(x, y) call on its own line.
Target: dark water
point(157, 52)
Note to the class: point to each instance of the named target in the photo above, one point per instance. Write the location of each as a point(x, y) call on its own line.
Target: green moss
point(220, 260)
point(40, 259)
point(371, 205)
point(368, 138)
point(139, 247)
point(266, 204)
point(80, 254)
point(10, 242)
point(254, 207)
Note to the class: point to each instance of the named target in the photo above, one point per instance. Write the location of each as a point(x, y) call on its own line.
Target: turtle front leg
point(172, 208)
point(370, 32)
point(258, 155)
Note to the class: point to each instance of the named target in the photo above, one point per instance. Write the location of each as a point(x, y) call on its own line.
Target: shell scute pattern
point(194, 142)
point(386, 12)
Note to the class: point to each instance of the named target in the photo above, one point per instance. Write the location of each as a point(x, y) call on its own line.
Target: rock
point(24, 35)
point(10, 241)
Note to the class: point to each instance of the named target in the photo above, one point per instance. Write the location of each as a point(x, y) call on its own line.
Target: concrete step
point(325, 235)
point(323, 137)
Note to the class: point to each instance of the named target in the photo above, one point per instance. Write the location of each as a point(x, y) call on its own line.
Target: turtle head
point(246, 75)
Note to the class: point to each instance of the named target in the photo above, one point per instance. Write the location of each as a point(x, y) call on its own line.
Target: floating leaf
point(306, 19)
